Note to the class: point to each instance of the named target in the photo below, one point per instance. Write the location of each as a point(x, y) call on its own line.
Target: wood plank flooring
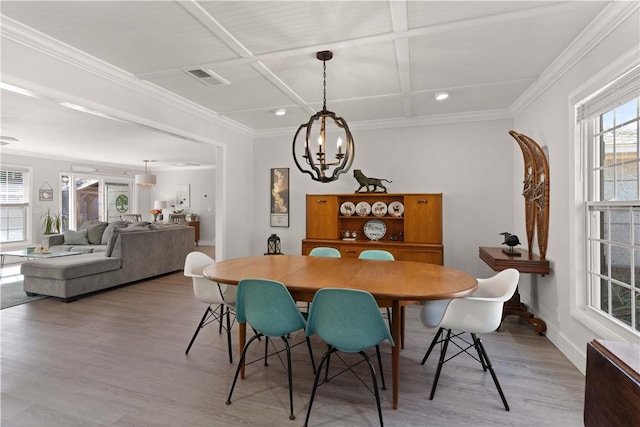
point(117, 359)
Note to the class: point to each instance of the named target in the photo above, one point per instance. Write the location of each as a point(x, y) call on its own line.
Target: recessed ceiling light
point(280, 112)
point(440, 96)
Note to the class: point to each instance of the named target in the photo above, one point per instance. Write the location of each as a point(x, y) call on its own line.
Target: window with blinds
point(14, 205)
point(609, 122)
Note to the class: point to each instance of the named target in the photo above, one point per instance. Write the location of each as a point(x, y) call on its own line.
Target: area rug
point(13, 294)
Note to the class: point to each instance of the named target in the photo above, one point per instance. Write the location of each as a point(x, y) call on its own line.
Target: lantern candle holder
point(273, 245)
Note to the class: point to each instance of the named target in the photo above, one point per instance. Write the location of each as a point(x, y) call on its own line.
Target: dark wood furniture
point(418, 230)
point(612, 390)
point(389, 282)
point(196, 225)
point(525, 263)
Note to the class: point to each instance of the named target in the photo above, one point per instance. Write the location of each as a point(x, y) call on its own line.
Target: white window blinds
point(12, 187)
point(612, 95)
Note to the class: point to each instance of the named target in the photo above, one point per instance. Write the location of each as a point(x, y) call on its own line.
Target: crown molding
point(32, 39)
point(605, 23)
point(439, 119)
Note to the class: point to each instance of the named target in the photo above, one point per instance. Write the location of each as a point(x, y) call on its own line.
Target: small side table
point(525, 263)
point(196, 225)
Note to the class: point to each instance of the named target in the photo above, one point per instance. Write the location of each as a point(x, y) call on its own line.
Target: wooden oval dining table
point(390, 282)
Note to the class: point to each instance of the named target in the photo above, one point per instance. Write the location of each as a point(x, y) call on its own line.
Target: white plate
point(396, 209)
point(379, 209)
point(375, 229)
point(363, 209)
point(347, 209)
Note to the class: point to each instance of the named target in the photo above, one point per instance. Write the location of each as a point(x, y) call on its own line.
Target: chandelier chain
point(324, 85)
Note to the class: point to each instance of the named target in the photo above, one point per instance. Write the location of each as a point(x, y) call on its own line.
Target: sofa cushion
point(70, 267)
point(95, 230)
point(79, 237)
point(138, 224)
point(109, 230)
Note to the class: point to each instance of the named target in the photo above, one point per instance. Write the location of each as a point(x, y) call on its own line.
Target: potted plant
point(51, 222)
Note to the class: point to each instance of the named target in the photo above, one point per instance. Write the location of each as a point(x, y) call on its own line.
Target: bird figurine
point(510, 240)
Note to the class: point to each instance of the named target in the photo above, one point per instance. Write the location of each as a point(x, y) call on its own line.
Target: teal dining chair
point(267, 306)
point(348, 320)
point(376, 254)
point(325, 252)
point(382, 256)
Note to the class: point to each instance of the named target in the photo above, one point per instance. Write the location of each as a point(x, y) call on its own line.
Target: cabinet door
point(322, 217)
point(423, 218)
point(430, 256)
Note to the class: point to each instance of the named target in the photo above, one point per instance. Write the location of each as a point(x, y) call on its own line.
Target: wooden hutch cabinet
point(414, 235)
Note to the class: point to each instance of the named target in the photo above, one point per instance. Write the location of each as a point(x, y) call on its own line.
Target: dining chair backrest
point(177, 218)
point(204, 289)
point(268, 307)
point(325, 252)
point(131, 217)
point(481, 312)
point(376, 254)
point(347, 319)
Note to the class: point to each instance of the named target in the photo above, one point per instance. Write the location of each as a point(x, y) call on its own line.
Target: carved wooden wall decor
point(535, 191)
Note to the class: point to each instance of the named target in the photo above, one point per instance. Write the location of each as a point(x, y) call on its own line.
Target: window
point(609, 122)
point(13, 205)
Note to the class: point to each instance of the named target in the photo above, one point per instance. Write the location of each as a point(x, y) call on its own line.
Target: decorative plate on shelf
point(375, 229)
point(379, 209)
point(363, 209)
point(347, 209)
point(396, 209)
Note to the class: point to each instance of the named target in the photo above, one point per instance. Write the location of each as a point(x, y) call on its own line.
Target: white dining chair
point(478, 313)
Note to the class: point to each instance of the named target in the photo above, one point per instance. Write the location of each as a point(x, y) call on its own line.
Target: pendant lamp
point(323, 147)
point(145, 181)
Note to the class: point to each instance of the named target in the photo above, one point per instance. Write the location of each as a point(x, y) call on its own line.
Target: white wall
point(548, 120)
point(202, 183)
point(470, 163)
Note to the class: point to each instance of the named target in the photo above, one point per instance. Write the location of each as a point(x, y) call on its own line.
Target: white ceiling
point(390, 58)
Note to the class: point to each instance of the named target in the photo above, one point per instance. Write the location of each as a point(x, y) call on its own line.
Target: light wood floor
point(117, 359)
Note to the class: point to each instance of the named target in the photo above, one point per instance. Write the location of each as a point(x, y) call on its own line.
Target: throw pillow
point(95, 230)
point(76, 237)
point(109, 230)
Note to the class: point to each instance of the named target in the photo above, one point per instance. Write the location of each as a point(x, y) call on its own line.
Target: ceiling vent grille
point(207, 77)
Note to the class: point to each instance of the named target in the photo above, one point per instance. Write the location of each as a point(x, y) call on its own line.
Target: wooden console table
point(525, 263)
point(196, 225)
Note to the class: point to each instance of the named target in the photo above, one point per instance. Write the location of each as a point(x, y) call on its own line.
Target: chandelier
point(329, 159)
point(145, 180)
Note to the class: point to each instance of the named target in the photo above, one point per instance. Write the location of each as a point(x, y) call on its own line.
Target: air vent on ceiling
point(207, 77)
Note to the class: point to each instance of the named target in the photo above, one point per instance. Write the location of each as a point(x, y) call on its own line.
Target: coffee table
point(32, 255)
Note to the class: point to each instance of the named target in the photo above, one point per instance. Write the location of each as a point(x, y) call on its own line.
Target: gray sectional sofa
point(130, 254)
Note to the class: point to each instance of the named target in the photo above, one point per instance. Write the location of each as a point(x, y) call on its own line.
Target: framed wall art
point(279, 197)
point(46, 193)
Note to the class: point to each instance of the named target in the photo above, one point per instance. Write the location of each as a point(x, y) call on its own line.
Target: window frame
point(590, 317)
point(26, 204)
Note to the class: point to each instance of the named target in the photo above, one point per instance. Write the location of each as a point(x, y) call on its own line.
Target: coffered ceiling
point(390, 58)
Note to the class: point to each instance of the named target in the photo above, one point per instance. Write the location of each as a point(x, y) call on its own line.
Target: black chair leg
point(313, 362)
point(229, 335)
point(326, 373)
point(266, 350)
point(222, 306)
point(325, 358)
point(477, 347)
point(433, 343)
point(443, 353)
point(207, 312)
point(384, 387)
point(290, 378)
point(375, 385)
point(240, 363)
point(493, 374)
